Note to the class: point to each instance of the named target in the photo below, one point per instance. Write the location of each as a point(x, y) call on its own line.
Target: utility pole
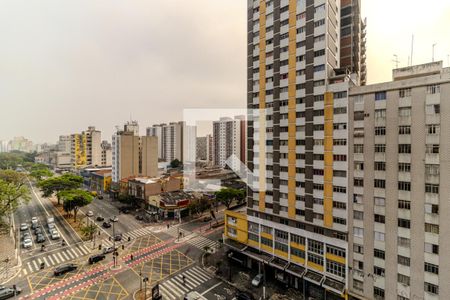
point(396, 61)
point(114, 243)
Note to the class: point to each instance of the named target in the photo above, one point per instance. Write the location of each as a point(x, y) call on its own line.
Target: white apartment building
point(228, 139)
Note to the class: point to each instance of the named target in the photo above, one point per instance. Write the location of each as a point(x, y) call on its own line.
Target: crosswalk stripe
point(56, 258)
point(25, 272)
point(60, 256)
point(78, 251)
point(51, 260)
point(174, 287)
point(35, 265)
point(166, 293)
point(46, 261)
point(201, 272)
point(201, 278)
point(74, 252)
point(39, 261)
point(85, 249)
point(188, 281)
point(192, 278)
point(66, 256)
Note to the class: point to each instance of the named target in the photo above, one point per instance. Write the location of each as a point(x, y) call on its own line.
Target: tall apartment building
point(64, 143)
point(176, 140)
point(400, 235)
point(106, 154)
point(20, 144)
point(201, 148)
point(296, 221)
point(229, 139)
point(353, 40)
point(156, 130)
point(133, 155)
point(85, 148)
point(209, 148)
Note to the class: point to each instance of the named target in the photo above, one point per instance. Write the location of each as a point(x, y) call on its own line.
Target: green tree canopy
point(61, 183)
point(40, 173)
point(74, 199)
point(88, 231)
point(13, 191)
point(14, 159)
point(227, 195)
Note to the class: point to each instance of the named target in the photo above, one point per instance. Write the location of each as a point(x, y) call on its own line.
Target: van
point(96, 258)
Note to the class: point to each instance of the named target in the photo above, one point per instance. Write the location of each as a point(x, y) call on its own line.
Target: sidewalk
point(9, 263)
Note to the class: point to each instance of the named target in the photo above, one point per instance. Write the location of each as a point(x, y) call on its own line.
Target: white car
point(27, 243)
point(23, 226)
point(50, 220)
point(257, 280)
point(55, 235)
point(114, 219)
point(89, 213)
point(34, 219)
point(51, 227)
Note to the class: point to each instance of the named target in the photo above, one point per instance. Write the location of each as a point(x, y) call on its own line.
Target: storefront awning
point(314, 277)
point(334, 285)
point(235, 244)
point(296, 270)
point(257, 255)
point(279, 263)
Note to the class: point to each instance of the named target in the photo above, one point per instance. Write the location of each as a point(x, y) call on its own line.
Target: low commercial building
point(101, 181)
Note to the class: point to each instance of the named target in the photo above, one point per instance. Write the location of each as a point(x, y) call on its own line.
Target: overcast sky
point(67, 64)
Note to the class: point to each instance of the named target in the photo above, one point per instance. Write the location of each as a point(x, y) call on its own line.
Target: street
point(164, 255)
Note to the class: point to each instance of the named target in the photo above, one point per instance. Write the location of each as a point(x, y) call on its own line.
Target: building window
point(431, 228)
point(315, 246)
point(358, 285)
point(380, 148)
point(403, 260)
point(404, 112)
point(433, 129)
point(358, 248)
point(267, 242)
point(297, 239)
point(358, 182)
point(380, 166)
point(431, 248)
point(403, 93)
point(404, 148)
point(404, 223)
point(379, 201)
point(404, 204)
point(319, 23)
point(336, 268)
point(431, 188)
point(403, 242)
point(379, 218)
point(379, 236)
point(378, 271)
point(358, 232)
point(404, 186)
point(253, 237)
point(378, 293)
point(380, 113)
point(433, 109)
point(431, 288)
point(432, 148)
point(404, 130)
point(358, 115)
point(430, 268)
point(431, 208)
point(358, 148)
point(232, 232)
point(280, 246)
point(404, 167)
point(380, 96)
point(380, 183)
point(358, 215)
point(403, 279)
point(379, 253)
point(315, 259)
point(433, 89)
point(380, 130)
point(298, 252)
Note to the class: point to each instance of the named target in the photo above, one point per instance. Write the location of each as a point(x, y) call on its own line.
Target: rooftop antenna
point(432, 57)
point(412, 49)
point(396, 61)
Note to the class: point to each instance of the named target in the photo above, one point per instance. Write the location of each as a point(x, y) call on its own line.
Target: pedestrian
point(184, 279)
point(131, 257)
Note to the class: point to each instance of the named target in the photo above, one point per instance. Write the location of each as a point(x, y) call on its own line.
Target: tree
point(58, 184)
point(88, 231)
point(13, 191)
point(39, 173)
point(74, 199)
point(175, 163)
point(227, 195)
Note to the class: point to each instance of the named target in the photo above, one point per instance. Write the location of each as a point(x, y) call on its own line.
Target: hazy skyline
point(66, 65)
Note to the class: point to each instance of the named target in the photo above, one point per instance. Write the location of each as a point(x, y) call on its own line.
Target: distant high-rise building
point(176, 140)
point(20, 144)
point(4, 146)
point(201, 148)
point(133, 155)
point(209, 148)
point(64, 143)
point(228, 139)
point(86, 148)
point(106, 154)
point(156, 130)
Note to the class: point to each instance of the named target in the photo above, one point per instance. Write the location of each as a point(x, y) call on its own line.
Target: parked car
point(38, 230)
point(51, 227)
point(124, 210)
point(96, 258)
point(106, 224)
point(63, 269)
point(40, 238)
point(114, 219)
point(54, 235)
point(109, 250)
point(89, 213)
point(243, 296)
point(257, 280)
point(118, 237)
point(23, 226)
point(34, 222)
point(27, 243)
point(100, 218)
point(139, 217)
point(7, 292)
point(50, 220)
point(26, 235)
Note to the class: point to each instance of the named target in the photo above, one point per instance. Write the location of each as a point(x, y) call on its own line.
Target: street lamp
point(145, 287)
point(114, 241)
